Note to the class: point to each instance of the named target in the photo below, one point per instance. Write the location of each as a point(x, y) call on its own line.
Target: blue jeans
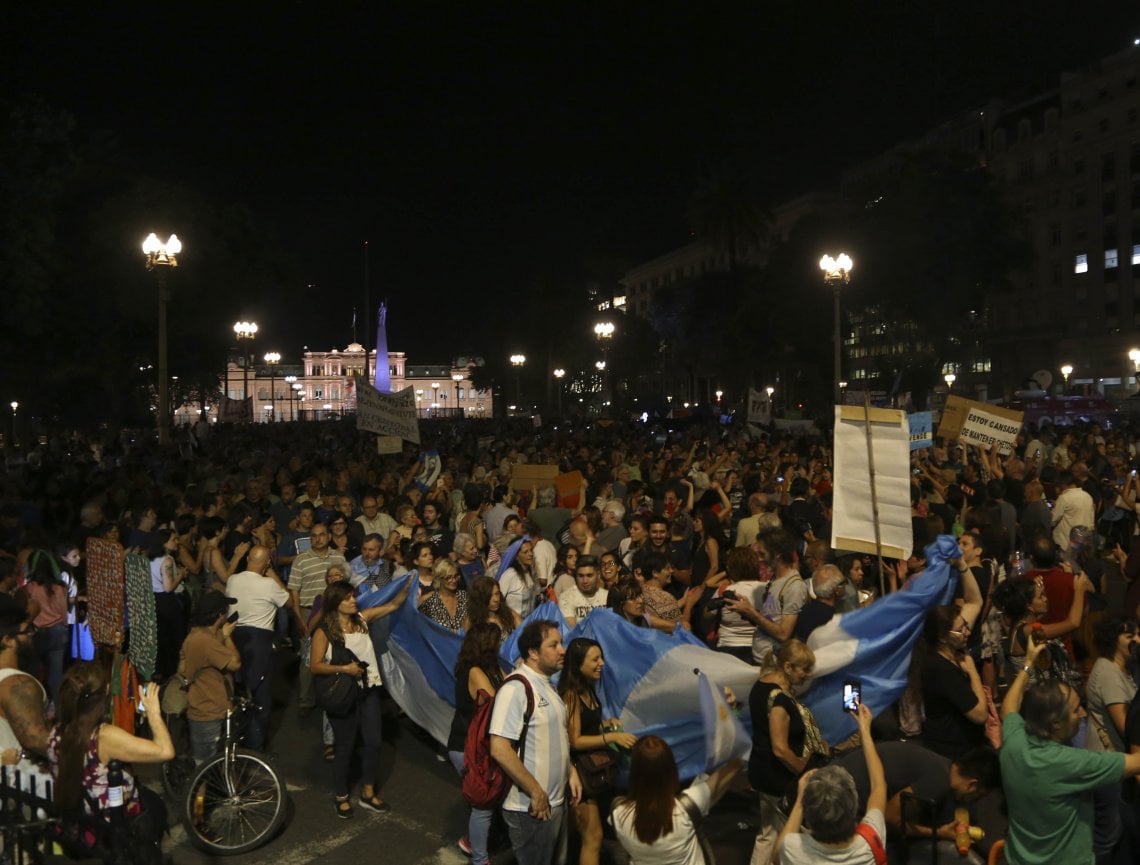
point(51, 647)
point(204, 738)
point(538, 842)
point(478, 823)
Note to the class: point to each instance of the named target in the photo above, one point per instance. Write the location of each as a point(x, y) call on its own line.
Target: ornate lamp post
point(457, 377)
point(558, 375)
point(272, 358)
point(837, 273)
point(160, 257)
point(245, 330)
point(949, 378)
point(518, 361)
point(1066, 371)
point(15, 405)
point(291, 383)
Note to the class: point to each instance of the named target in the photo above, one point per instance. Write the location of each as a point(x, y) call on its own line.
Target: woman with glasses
point(943, 677)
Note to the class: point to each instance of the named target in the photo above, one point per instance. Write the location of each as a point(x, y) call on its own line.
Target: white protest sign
point(386, 414)
point(853, 521)
point(389, 445)
point(984, 428)
point(759, 407)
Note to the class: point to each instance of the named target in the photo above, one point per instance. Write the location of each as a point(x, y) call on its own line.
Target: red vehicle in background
point(1040, 408)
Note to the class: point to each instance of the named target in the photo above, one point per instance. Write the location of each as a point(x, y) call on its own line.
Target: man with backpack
point(530, 716)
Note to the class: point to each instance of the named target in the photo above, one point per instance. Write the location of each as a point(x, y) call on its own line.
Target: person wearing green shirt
point(1048, 784)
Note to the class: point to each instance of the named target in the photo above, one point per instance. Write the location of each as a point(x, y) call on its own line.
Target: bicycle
point(235, 801)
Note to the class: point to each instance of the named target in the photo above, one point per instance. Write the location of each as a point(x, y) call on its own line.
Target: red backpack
point(485, 784)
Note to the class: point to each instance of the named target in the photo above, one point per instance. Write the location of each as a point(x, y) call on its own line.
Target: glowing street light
point(837, 273)
point(272, 358)
point(949, 378)
point(558, 374)
point(457, 377)
point(1066, 371)
point(245, 331)
point(517, 361)
point(160, 257)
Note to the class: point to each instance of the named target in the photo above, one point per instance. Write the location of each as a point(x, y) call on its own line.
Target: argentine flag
point(873, 644)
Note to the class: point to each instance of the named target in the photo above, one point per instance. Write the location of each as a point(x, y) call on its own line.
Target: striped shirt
point(547, 754)
point(307, 576)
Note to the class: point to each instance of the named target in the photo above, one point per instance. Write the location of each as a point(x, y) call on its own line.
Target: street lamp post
point(457, 377)
point(15, 405)
point(434, 396)
point(290, 381)
point(517, 361)
point(837, 273)
point(1066, 371)
point(604, 331)
point(245, 330)
point(160, 257)
point(558, 374)
point(272, 358)
point(949, 378)
point(1134, 356)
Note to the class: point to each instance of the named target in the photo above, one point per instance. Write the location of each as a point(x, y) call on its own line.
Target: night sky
point(481, 149)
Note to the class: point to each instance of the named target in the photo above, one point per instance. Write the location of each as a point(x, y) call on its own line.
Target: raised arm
point(1012, 701)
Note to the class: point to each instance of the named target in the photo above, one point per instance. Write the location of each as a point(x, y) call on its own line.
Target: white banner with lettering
point(981, 427)
point(759, 407)
point(387, 414)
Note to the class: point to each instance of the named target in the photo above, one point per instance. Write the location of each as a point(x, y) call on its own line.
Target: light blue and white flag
point(873, 644)
point(921, 430)
point(725, 735)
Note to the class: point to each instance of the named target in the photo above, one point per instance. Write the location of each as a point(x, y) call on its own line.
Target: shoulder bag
point(338, 693)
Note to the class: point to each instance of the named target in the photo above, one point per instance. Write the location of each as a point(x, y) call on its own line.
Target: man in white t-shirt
point(535, 807)
point(258, 595)
point(829, 803)
point(586, 595)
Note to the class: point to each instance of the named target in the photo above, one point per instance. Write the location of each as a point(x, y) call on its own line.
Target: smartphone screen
point(852, 696)
point(142, 693)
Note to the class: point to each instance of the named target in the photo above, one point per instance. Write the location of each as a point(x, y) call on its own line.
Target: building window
point(1108, 204)
point(1081, 264)
point(1080, 229)
point(317, 369)
point(1107, 167)
point(318, 392)
point(1111, 259)
point(1103, 125)
point(1055, 275)
point(1131, 116)
point(1055, 234)
point(1078, 196)
point(1136, 253)
point(982, 364)
point(1079, 166)
point(1026, 170)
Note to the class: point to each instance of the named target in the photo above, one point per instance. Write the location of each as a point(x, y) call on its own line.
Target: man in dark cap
point(208, 656)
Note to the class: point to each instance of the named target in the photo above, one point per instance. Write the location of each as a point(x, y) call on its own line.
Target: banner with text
point(921, 430)
point(971, 421)
point(387, 414)
point(759, 407)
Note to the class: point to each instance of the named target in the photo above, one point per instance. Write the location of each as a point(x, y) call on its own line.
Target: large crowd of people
point(260, 539)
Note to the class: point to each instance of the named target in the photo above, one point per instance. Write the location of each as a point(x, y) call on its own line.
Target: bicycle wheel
point(234, 804)
point(176, 773)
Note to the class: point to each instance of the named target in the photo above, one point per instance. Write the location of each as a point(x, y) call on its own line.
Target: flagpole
point(874, 497)
point(367, 306)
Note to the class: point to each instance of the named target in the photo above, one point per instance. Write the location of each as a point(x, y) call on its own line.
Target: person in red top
point(1058, 582)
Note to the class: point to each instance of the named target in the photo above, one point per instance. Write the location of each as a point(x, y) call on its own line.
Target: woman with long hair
point(447, 605)
point(785, 737)
point(485, 604)
point(216, 568)
point(344, 624)
point(1024, 604)
point(566, 560)
point(577, 686)
point(165, 577)
point(625, 599)
point(47, 599)
point(419, 562)
point(478, 674)
point(652, 822)
point(81, 746)
point(339, 540)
